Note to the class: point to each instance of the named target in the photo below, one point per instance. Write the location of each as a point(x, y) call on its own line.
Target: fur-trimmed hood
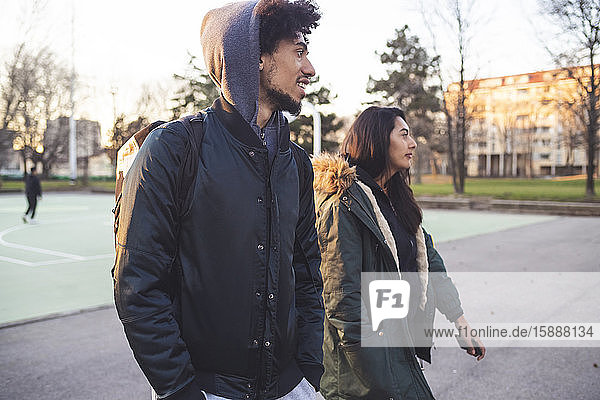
point(333, 174)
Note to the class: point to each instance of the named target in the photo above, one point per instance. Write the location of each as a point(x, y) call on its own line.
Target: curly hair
point(282, 19)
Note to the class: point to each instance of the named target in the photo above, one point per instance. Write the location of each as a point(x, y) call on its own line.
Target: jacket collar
point(241, 130)
point(365, 178)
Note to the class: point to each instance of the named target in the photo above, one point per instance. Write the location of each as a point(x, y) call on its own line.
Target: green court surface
point(63, 263)
point(60, 264)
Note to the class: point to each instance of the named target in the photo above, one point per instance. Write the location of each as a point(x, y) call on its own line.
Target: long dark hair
point(367, 144)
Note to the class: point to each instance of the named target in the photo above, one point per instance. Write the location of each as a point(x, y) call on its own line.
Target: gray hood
point(231, 47)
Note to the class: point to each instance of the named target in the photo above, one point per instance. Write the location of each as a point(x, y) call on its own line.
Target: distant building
point(523, 125)
point(91, 158)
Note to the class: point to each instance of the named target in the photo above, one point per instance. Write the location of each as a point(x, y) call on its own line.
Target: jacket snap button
point(267, 344)
point(344, 198)
point(380, 333)
point(251, 154)
point(260, 200)
point(260, 247)
point(271, 296)
point(255, 342)
point(257, 294)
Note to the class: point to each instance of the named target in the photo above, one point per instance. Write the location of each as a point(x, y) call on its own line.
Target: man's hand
point(472, 344)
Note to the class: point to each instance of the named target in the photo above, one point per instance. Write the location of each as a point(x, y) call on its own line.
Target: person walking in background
point(369, 221)
point(221, 299)
point(33, 190)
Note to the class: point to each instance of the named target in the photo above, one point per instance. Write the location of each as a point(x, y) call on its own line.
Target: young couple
point(243, 315)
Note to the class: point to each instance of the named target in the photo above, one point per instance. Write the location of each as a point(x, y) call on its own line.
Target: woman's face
point(402, 146)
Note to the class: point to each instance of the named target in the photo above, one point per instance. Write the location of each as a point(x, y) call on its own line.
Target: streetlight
point(316, 126)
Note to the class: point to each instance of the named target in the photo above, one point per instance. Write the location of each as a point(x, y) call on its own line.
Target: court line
point(65, 257)
point(54, 262)
point(15, 261)
point(33, 249)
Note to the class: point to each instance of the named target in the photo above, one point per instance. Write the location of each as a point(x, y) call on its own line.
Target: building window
point(545, 156)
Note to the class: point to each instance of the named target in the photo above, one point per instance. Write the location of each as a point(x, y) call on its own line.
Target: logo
point(389, 300)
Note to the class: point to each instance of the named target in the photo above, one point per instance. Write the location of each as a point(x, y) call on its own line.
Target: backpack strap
point(194, 126)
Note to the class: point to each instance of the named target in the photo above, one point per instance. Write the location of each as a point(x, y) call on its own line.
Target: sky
point(123, 46)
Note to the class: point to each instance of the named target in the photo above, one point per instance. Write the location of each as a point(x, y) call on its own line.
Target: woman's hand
point(472, 344)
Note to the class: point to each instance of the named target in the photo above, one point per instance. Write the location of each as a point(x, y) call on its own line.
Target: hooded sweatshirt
point(223, 296)
point(231, 47)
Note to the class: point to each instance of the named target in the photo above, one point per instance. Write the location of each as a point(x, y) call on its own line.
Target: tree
point(53, 87)
point(32, 91)
point(301, 129)
point(579, 23)
point(152, 102)
point(458, 133)
point(407, 84)
point(196, 91)
point(120, 133)
point(457, 17)
point(8, 87)
point(8, 101)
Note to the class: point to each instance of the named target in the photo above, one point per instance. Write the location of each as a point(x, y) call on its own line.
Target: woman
point(368, 221)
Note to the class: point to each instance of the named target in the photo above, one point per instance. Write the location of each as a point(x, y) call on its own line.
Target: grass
point(498, 188)
point(511, 189)
point(59, 184)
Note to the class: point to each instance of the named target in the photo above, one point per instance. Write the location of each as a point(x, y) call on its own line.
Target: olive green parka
point(355, 238)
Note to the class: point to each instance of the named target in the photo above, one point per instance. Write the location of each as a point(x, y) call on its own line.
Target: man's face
point(284, 75)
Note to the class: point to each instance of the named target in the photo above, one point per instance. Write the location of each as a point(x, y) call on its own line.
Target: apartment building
point(524, 125)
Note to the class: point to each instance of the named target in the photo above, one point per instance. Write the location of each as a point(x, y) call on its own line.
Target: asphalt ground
point(565, 244)
point(63, 263)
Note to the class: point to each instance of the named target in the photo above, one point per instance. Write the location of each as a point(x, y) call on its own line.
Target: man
point(33, 190)
point(222, 300)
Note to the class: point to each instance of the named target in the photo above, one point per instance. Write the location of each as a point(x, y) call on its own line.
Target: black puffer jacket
point(247, 321)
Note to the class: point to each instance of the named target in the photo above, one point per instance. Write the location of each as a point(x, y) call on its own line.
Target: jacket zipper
point(412, 350)
point(261, 378)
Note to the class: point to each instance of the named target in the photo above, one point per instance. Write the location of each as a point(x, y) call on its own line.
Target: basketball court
point(62, 263)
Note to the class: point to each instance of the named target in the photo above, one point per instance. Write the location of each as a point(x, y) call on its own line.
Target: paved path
point(85, 356)
point(562, 244)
